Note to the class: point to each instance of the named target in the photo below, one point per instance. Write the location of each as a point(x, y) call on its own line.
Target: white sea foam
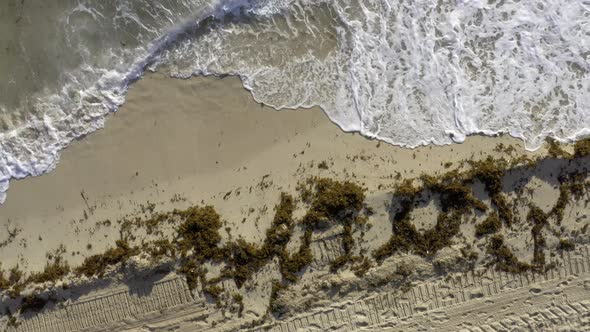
point(406, 72)
point(419, 72)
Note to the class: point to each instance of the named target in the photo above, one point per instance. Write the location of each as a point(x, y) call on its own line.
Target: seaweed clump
point(274, 306)
point(554, 150)
point(15, 282)
point(362, 267)
point(490, 172)
point(239, 300)
point(32, 303)
point(405, 233)
point(490, 225)
point(214, 291)
point(199, 232)
point(457, 200)
point(281, 230)
point(97, 264)
point(193, 272)
point(291, 264)
point(331, 203)
point(160, 248)
point(566, 245)
point(564, 198)
point(52, 271)
point(503, 258)
point(539, 220)
point(582, 148)
point(454, 194)
point(571, 186)
point(323, 165)
point(4, 283)
point(246, 258)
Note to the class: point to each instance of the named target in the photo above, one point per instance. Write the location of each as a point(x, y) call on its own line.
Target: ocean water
point(406, 72)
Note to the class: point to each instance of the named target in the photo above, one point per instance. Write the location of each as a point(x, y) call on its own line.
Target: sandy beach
point(197, 139)
point(205, 141)
point(294, 166)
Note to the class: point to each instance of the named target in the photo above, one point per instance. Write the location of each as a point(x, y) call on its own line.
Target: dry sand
point(177, 143)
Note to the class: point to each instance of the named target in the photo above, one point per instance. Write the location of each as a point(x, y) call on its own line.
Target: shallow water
point(406, 72)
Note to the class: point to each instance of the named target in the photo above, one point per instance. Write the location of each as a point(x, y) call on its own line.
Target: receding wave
point(406, 72)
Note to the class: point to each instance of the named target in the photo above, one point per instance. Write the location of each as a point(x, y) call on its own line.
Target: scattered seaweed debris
point(12, 234)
